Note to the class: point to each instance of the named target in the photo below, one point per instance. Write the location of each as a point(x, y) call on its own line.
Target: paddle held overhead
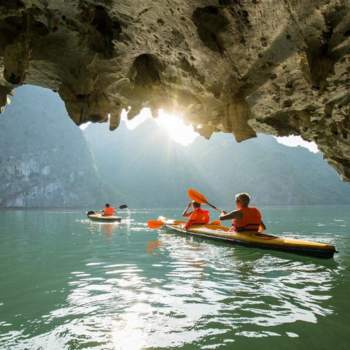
point(199, 198)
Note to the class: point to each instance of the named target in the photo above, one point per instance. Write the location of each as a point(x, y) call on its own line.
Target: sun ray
point(173, 125)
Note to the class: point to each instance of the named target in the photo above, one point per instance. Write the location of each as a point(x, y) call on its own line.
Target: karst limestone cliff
point(45, 160)
point(235, 66)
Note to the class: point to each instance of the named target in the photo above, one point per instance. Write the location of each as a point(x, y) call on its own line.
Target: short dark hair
point(196, 204)
point(107, 205)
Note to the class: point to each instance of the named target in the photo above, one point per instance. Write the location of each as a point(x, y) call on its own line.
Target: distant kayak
point(251, 239)
point(102, 218)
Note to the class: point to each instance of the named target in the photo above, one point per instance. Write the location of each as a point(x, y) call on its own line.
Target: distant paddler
point(108, 210)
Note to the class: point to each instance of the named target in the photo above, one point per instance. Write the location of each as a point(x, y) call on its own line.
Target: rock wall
point(236, 66)
point(45, 160)
point(34, 180)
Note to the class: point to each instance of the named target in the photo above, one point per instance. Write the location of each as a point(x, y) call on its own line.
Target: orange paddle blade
point(155, 224)
point(199, 198)
point(196, 196)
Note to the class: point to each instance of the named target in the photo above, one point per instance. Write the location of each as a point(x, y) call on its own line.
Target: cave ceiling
point(277, 67)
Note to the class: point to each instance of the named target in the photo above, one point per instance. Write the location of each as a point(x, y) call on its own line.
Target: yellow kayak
point(101, 218)
point(252, 239)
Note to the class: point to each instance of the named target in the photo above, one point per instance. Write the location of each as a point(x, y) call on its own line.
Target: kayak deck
point(252, 239)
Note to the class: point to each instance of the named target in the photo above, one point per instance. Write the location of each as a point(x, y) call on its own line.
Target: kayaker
point(108, 210)
point(197, 216)
point(244, 218)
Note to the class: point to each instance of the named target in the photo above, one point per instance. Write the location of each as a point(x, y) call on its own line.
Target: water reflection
point(237, 288)
point(122, 286)
point(99, 227)
point(153, 247)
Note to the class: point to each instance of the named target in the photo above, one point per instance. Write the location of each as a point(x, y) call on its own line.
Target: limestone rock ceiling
point(236, 66)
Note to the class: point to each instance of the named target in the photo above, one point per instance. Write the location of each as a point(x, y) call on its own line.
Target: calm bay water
point(68, 283)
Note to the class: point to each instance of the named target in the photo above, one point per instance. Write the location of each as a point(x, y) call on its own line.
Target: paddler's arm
point(236, 214)
point(185, 213)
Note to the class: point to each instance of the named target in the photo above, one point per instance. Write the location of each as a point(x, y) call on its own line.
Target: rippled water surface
point(68, 283)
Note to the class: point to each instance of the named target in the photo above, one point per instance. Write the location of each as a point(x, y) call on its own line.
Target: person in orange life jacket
point(244, 218)
point(108, 210)
point(196, 216)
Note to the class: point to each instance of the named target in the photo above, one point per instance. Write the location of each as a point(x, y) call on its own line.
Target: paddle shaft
point(154, 224)
point(220, 211)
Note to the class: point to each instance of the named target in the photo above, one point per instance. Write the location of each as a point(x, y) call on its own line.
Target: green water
point(68, 283)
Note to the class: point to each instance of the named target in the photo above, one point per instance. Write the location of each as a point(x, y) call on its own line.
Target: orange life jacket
point(250, 222)
point(109, 211)
point(199, 216)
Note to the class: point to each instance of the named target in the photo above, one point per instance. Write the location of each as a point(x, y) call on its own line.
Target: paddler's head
point(242, 200)
point(195, 205)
